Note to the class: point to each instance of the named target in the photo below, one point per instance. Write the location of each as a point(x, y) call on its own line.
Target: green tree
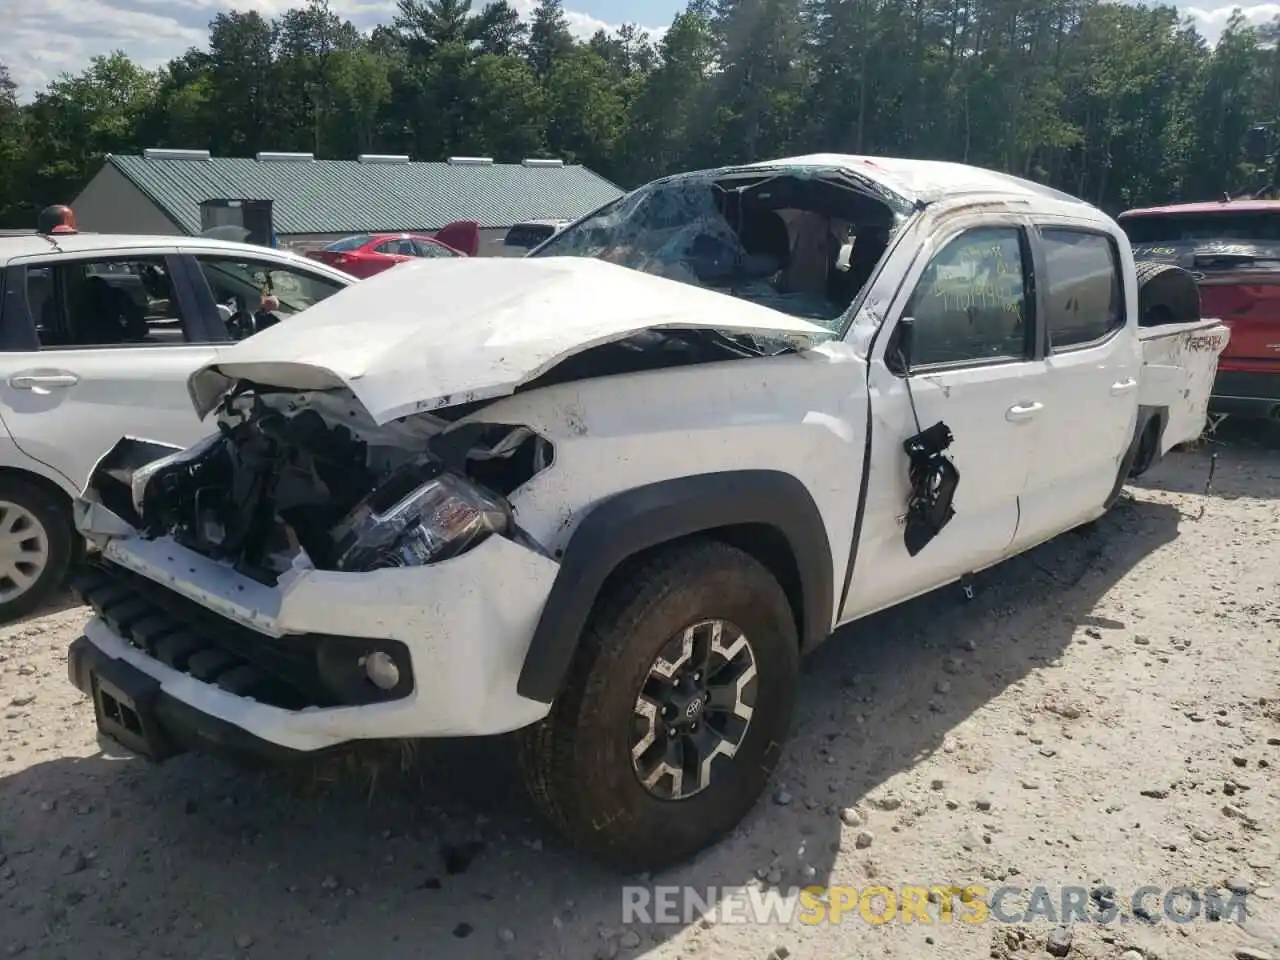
point(242, 98)
point(506, 109)
point(585, 113)
point(549, 36)
point(671, 112)
point(80, 119)
point(13, 155)
point(428, 25)
point(310, 42)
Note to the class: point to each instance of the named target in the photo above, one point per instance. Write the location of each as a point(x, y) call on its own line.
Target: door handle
point(43, 381)
point(1124, 386)
point(1022, 411)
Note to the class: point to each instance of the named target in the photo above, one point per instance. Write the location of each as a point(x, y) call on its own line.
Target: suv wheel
point(674, 712)
point(35, 547)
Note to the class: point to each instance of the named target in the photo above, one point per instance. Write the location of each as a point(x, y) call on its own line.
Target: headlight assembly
point(436, 519)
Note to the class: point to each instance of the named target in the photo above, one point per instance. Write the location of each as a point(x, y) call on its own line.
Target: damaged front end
point(297, 480)
point(304, 578)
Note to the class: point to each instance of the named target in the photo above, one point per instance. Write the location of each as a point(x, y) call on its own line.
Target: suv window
point(1224, 224)
point(528, 235)
point(241, 286)
point(108, 302)
point(971, 303)
point(1084, 298)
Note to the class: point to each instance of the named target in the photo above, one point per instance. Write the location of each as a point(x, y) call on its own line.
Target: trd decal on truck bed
point(1212, 341)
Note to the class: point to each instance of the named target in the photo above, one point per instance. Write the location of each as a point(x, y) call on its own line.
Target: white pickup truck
point(608, 495)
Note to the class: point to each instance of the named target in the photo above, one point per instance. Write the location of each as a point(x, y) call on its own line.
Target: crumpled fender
point(105, 509)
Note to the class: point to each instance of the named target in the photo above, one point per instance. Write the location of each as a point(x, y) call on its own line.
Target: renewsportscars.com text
point(929, 904)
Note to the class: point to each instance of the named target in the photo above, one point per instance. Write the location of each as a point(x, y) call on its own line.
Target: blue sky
point(41, 39)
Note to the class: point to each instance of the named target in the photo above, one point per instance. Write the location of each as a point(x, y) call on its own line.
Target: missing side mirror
point(898, 358)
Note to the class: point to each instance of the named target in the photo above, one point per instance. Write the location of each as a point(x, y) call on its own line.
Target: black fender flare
point(626, 523)
point(1130, 459)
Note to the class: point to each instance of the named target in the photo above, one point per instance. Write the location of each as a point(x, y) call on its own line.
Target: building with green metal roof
point(315, 201)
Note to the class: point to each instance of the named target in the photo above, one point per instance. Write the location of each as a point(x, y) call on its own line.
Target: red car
point(366, 254)
point(1233, 249)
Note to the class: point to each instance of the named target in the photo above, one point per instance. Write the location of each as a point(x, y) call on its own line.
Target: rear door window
point(1083, 292)
point(109, 302)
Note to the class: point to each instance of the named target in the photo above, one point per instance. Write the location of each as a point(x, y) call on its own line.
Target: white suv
point(98, 334)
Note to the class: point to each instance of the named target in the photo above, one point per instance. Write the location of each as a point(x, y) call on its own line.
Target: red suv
point(1233, 249)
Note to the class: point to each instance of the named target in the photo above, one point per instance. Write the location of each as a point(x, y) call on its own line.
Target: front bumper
point(464, 626)
point(133, 709)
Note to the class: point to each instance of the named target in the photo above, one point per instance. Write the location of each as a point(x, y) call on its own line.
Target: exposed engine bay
point(303, 479)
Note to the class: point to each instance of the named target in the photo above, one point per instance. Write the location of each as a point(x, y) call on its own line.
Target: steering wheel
point(240, 324)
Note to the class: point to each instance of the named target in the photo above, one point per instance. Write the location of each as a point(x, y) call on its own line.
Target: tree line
point(1120, 104)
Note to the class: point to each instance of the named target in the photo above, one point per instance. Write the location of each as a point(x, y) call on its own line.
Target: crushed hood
point(436, 333)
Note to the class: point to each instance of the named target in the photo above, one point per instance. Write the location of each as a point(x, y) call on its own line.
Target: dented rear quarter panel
point(1179, 364)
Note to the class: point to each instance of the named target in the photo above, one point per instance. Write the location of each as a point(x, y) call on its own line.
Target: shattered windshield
point(803, 243)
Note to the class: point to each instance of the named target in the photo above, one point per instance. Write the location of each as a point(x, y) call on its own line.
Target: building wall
point(110, 203)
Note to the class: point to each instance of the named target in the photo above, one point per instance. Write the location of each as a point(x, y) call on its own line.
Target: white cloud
point(582, 25)
point(1210, 22)
point(42, 39)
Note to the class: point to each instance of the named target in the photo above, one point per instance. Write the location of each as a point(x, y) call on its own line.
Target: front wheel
point(36, 546)
point(674, 712)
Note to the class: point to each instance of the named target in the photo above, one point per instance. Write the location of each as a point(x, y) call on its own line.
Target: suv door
point(1092, 363)
point(98, 346)
point(973, 365)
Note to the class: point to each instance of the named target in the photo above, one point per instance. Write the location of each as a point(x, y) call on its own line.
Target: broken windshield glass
point(799, 241)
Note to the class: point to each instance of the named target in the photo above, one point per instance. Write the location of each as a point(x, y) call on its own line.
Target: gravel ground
point(1105, 711)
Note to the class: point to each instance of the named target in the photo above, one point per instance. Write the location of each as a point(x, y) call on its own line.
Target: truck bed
point(1179, 363)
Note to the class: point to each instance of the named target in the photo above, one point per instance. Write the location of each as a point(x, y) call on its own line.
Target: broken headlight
point(144, 475)
point(437, 519)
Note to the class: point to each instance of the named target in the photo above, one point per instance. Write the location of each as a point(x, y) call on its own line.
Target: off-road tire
point(577, 762)
point(55, 516)
point(1167, 293)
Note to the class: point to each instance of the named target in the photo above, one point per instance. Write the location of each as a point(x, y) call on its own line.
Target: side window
point(971, 303)
point(101, 303)
point(527, 235)
point(1085, 299)
point(397, 248)
point(253, 294)
point(424, 248)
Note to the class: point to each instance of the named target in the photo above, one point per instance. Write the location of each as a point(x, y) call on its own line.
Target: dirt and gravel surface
point(1104, 712)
